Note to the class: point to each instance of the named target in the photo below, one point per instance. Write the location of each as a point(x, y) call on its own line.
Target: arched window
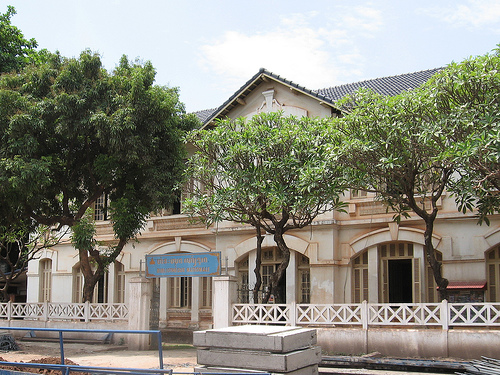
point(45, 272)
point(493, 274)
point(119, 283)
point(360, 278)
point(271, 259)
point(243, 287)
point(180, 292)
point(304, 281)
point(100, 290)
point(206, 292)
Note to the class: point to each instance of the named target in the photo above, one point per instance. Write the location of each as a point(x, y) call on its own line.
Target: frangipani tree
point(273, 172)
point(467, 96)
point(388, 149)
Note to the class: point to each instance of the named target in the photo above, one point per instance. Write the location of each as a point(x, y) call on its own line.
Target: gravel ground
point(179, 358)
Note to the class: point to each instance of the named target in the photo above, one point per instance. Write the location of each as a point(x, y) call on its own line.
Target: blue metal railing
point(61, 340)
point(66, 369)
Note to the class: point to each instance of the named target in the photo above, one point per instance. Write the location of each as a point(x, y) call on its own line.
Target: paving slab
point(276, 339)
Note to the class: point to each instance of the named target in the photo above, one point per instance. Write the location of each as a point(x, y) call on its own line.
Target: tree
point(272, 172)
point(467, 97)
point(15, 50)
point(388, 149)
point(71, 133)
point(19, 244)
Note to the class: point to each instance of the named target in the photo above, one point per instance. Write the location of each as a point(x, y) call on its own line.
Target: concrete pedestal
point(274, 349)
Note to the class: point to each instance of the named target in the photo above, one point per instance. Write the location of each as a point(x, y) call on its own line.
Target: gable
point(273, 96)
point(286, 95)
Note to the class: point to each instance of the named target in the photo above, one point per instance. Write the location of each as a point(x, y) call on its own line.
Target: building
point(342, 258)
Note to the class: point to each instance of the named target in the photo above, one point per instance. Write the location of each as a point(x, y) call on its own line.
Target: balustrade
point(46, 311)
point(366, 315)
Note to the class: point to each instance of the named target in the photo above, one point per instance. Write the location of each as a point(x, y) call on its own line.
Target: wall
point(422, 343)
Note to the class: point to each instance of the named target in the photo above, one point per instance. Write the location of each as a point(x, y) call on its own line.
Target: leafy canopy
point(15, 50)
point(71, 132)
point(259, 170)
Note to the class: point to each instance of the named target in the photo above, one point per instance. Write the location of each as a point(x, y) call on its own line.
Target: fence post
point(225, 294)
point(364, 314)
point(86, 311)
point(293, 313)
point(45, 316)
point(9, 310)
point(445, 314)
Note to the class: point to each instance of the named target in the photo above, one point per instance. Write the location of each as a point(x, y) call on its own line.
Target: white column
point(138, 315)
point(419, 256)
point(373, 275)
point(252, 279)
point(225, 294)
point(195, 302)
point(291, 278)
point(111, 283)
point(164, 292)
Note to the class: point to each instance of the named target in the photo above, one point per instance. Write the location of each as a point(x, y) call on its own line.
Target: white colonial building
point(359, 255)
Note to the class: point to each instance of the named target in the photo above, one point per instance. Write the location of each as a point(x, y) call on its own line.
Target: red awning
point(477, 284)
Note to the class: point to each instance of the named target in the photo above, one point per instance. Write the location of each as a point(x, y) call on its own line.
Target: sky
point(210, 48)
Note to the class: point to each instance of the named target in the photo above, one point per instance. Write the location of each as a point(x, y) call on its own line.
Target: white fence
point(47, 311)
point(365, 314)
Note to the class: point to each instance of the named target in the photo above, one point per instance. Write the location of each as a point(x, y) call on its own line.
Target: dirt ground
point(180, 358)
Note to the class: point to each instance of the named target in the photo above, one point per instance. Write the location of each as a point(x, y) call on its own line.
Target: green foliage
point(83, 232)
point(15, 50)
point(387, 149)
point(71, 132)
point(467, 96)
point(259, 170)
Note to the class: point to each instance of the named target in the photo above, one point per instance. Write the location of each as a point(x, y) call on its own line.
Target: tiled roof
point(385, 86)
point(389, 86)
point(204, 114)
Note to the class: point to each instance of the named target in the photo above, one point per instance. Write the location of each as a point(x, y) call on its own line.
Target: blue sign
point(183, 264)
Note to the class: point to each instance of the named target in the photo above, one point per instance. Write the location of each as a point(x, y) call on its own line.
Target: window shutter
point(416, 281)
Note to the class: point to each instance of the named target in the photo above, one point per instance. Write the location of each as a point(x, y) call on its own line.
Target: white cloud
point(472, 13)
point(305, 48)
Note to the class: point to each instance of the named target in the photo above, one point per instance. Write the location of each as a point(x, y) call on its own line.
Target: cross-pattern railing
point(365, 314)
point(46, 311)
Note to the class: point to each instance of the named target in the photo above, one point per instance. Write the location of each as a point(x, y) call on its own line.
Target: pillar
point(225, 294)
point(138, 316)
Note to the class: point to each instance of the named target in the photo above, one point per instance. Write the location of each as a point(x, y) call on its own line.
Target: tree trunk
point(258, 262)
point(90, 277)
point(430, 254)
point(280, 271)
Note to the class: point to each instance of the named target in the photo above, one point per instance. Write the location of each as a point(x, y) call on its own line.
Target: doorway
point(400, 281)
